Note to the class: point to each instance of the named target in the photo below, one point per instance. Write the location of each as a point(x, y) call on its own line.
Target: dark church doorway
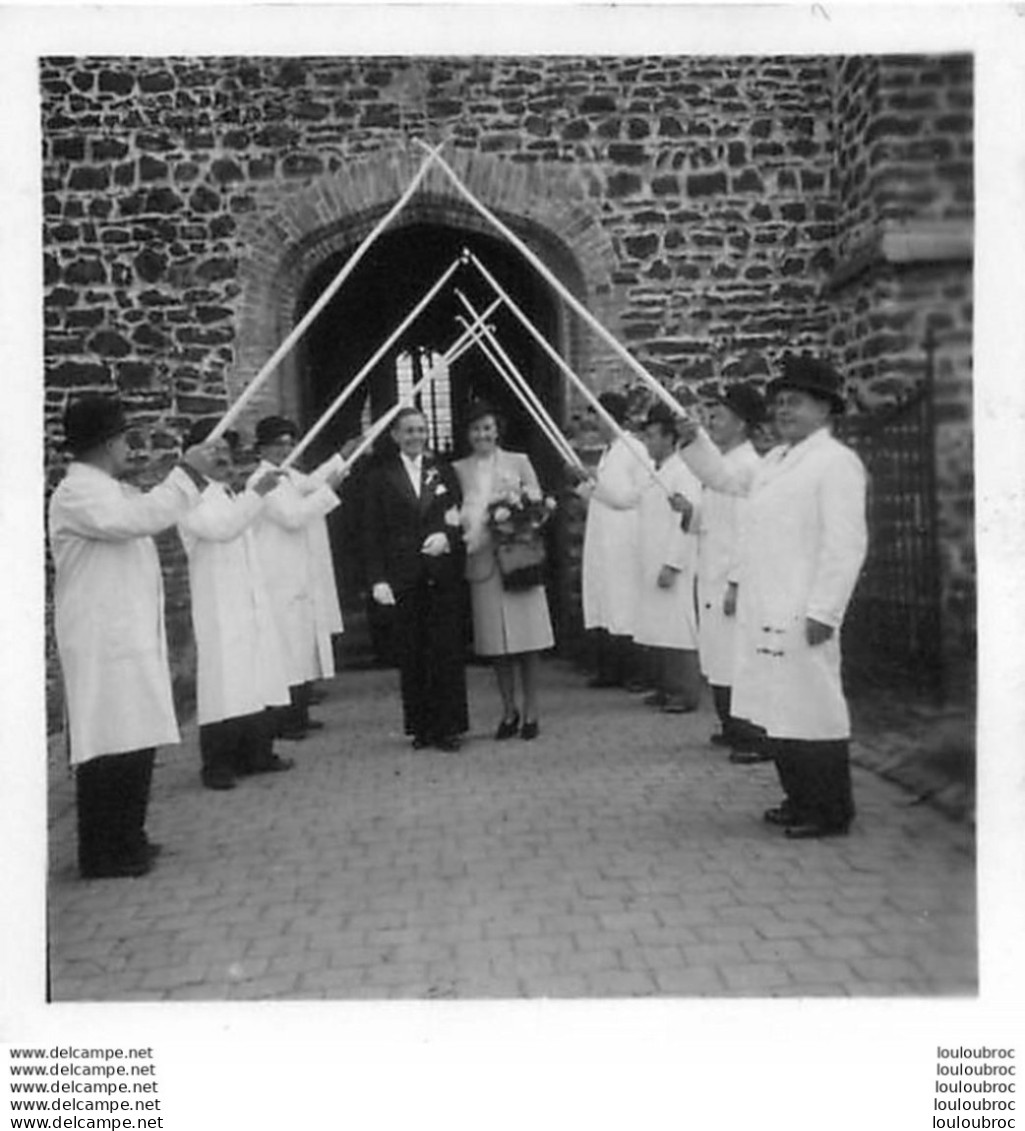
point(389, 281)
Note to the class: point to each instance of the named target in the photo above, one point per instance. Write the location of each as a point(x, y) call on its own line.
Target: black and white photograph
point(506, 536)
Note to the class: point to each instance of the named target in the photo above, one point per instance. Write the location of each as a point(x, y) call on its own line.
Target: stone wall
point(903, 277)
point(712, 212)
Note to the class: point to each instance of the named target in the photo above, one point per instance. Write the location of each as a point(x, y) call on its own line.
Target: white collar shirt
point(413, 469)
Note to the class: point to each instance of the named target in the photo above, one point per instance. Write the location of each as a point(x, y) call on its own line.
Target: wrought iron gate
point(892, 632)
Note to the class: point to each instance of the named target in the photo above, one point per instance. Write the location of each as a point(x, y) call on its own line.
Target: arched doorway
point(396, 272)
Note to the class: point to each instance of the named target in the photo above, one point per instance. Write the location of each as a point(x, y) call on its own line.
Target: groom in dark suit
point(414, 558)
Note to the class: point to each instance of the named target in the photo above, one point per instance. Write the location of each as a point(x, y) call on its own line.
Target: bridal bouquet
point(515, 519)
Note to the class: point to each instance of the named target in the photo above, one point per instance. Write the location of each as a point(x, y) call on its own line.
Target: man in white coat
point(611, 568)
point(109, 620)
point(666, 622)
point(731, 419)
point(803, 543)
point(239, 670)
point(289, 559)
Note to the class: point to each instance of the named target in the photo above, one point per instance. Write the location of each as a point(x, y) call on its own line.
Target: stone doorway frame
point(290, 234)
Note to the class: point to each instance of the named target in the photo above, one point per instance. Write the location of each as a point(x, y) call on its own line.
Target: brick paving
point(619, 855)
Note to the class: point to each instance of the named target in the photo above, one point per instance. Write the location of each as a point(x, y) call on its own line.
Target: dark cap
point(199, 431)
point(660, 413)
point(616, 405)
point(744, 401)
point(812, 376)
point(274, 428)
point(92, 420)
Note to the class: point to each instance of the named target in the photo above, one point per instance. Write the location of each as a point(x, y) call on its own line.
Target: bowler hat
point(661, 413)
point(274, 428)
point(744, 401)
point(92, 420)
point(813, 376)
point(199, 431)
point(615, 404)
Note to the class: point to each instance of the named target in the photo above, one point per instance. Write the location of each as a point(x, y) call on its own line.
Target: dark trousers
point(235, 746)
point(816, 778)
point(112, 795)
point(739, 732)
point(619, 661)
point(429, 642)
point(296, 716)
point(677, 676)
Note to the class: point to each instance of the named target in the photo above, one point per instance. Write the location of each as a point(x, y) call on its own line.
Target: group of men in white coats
point(109, 618)
point(698, 548)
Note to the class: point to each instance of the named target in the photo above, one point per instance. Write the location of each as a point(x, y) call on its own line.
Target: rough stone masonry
point(712, 211)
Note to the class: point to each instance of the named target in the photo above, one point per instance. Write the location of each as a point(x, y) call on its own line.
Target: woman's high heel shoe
point(508, 727)
point(530, 730)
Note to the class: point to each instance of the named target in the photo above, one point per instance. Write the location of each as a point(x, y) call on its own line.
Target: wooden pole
point(354, 384)
point(303, 324)
point(506, 368)
point(656, 387)
point(464, 342)
point(536, 334)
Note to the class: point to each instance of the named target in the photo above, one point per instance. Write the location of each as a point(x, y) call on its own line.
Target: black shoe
point(218, 780)
point(314, 724)
point(273, 765)
point(781, 815)
point(291, 733)
point(654, 699)
point(677, 707)
point(750, 757)
point(530, 730)
point(815, 831)
point(508, 727)
point(449, 744)
point(116, 869)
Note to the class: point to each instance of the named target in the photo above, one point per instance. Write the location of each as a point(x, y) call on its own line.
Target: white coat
point(239, 667)
point(328, 608)
point(611, 573)
point(803, 542)
point(280, 533)
point(109, 608)
point(665, 617)
point(718, 531)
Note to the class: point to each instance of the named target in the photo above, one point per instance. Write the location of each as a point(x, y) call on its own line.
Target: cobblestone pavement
point(618, 855)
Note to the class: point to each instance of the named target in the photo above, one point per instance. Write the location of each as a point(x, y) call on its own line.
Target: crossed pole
point(464, 342)
point(433, 157)
point(304, 323)
point(355, 383)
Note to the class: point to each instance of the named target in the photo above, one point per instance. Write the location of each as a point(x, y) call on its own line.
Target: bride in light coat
point(509, 627)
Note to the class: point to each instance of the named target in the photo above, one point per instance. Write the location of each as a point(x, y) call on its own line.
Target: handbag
point(521, 563)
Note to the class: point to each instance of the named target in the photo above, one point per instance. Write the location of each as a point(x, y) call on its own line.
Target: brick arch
point(286, 239)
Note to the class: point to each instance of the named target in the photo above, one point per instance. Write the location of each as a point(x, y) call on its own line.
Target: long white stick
point(354, 384)
point(506, 367)
point(656, 387)
point(487, 348)
point(536, 334)
point(465, 341)
point(386, 418)
point(303, 324)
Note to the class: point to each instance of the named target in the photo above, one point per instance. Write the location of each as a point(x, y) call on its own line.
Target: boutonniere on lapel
point(433, 481)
